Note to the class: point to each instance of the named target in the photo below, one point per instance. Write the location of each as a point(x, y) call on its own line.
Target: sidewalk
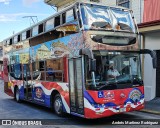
point(152, 106)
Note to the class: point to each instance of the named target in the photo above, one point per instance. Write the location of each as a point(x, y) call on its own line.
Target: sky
point(12, 13)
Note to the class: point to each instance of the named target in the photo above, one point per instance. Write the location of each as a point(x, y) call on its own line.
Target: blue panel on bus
point(38, 95)
point(100, 94)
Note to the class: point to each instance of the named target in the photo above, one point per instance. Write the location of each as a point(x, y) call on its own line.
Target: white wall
point(152, 41)
point(137, 7)
point(109, 2)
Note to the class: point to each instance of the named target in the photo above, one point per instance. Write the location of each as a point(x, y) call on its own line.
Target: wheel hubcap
point(58, 105)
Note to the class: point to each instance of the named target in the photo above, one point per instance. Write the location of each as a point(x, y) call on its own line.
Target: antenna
point(32, 19)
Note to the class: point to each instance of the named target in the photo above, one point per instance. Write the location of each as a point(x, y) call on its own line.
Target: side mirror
point(152, 54)
point(92, 65)
point(154, 61)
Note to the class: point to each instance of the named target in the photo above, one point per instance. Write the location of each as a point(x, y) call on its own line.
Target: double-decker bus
point(83, 60)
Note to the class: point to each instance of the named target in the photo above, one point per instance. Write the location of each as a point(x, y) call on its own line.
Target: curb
point(150, 111)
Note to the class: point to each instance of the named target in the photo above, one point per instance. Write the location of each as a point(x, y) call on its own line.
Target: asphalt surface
point(10, 109)
point(153, 105)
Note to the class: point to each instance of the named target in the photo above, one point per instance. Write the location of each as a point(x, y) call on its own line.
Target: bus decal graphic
point(110, 106)
point(90, 100)
point(39, 92)
point(109, 95)
point(135, 95)
point(88, 97)
point(58, 49)
point(62, 88)
point(100, 94)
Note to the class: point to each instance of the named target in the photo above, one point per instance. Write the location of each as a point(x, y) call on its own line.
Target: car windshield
point(103, 17)
point(115, 70)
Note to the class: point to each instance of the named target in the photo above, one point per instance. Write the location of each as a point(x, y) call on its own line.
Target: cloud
point(7, 17)
point(30, 2)
point(18, 16)
point(5, 1)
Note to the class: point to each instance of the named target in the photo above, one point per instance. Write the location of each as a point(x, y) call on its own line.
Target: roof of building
point(149, 26)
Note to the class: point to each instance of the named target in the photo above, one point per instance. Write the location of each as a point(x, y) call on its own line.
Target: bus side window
point(26, 72)
point(12, 70)
point(74, 13)
point(42, 69)
point(35, 31)
point(57, 21)
point(54, 70)
point(49, 24)
point(35, 70)
point(17, 71)
point(70, 16)
point(63, 18)
point(41, 65)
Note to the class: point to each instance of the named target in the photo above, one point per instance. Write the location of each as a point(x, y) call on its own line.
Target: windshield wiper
point(137, 81)
point(107, 86)
point(123, 81)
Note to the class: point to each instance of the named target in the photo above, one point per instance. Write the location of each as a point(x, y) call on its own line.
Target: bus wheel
point(17, 95)
point(57, 105)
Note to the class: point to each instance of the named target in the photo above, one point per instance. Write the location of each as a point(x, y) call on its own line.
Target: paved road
point(9, 109)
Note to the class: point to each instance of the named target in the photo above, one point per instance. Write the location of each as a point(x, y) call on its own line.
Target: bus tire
point(17, 97)
point(58, 105)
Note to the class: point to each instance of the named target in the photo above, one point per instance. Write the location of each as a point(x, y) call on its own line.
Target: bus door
point(76, 82)
point(27, 82)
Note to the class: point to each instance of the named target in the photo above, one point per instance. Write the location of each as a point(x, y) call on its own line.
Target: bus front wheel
point(57, 105)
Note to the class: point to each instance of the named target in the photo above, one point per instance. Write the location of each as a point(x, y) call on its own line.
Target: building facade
point(150, 31)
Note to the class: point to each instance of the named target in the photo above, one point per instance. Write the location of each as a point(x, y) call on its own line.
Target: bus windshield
point(115, 70)
point(107, 18)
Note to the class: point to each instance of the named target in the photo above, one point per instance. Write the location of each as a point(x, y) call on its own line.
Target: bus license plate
point(122, 109)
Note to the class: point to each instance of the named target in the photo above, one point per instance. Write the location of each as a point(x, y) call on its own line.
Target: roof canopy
point(149, 26)
point(58, 3)
point(64, 3)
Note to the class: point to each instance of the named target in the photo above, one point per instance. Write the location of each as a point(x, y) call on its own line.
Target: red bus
point(83, 60)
